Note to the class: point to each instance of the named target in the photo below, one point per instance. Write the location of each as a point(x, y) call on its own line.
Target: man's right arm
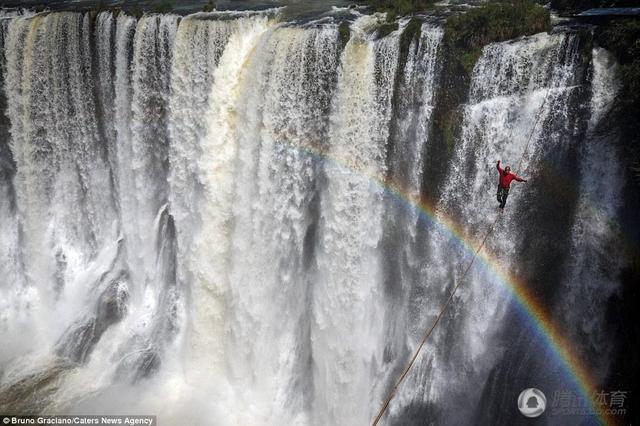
point(498, 166)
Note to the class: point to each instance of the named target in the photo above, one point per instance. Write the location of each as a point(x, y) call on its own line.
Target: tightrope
point(433, 326)
point(408, 367)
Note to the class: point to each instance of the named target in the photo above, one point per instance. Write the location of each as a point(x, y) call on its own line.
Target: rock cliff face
point(229, 218)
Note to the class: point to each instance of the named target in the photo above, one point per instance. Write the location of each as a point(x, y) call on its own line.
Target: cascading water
point(590, 279)
point(196, 219)
point(512, 84)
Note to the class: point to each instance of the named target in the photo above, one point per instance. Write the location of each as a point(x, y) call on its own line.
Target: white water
point(271, 341)
point(508, 90)
point(201, 233)
point(348, 307)
point(597, 249)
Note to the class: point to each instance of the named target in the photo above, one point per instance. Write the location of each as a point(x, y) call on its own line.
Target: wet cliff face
point(237, 218)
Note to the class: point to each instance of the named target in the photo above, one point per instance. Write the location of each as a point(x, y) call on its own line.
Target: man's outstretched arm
point(519, 179)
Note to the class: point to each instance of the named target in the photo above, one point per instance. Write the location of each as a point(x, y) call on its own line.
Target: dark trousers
point(502, 195)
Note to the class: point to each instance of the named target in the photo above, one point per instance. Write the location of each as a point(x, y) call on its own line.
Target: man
point(505, 181)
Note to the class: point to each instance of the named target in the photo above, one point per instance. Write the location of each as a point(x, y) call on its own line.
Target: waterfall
point(347, 296)
point(215, 218)
point(15, 298)
point(209, 257)
point(60, 160)
point(283, 128)
point(505, 98)
point(125, 30)
point(589, 279)
point(149, 143)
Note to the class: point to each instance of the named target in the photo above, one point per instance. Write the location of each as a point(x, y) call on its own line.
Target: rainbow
point(520, 292)
point(526, 301)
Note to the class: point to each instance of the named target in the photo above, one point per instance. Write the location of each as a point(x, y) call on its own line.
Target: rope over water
point(446, 304)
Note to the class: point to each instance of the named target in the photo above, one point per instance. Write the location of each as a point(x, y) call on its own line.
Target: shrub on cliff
point(395, 8)
point(469, 32)
point(163, 6)
point(622, 38)
point(465, 36)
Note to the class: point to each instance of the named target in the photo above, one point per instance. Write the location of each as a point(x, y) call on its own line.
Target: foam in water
point(590, 280)
point(504, 91)
point(347, 297)
point(195, 226)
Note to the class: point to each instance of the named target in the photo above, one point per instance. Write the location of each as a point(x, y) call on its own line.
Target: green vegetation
point(466, 34)
point(344, 33)
point(387, 28)
point(396, 8)
point(103, 6)
point(622, 38)
point(163, 6)
point(210, 6)
point(411, 32)
point(158, 6)
point(135, 11)
point(450, 127)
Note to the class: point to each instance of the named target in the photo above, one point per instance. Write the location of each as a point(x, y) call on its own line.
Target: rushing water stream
point(198, 219)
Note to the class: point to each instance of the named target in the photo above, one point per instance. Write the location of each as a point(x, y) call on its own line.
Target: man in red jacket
point(503, 185)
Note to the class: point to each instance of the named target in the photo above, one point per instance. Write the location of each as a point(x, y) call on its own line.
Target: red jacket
point(506, 178)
